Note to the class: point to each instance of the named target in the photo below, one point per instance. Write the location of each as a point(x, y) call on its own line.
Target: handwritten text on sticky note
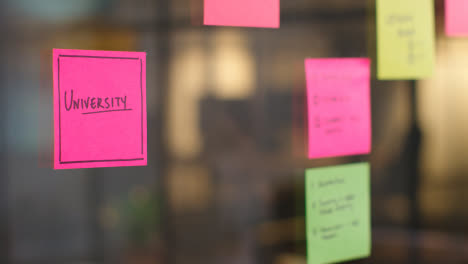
point(99, 109)
point(338, 99)
point(456, 18)
point(242, 13)
point(405, 39)
point(338, 213)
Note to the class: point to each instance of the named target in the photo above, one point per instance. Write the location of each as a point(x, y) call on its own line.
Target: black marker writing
point(100, 104)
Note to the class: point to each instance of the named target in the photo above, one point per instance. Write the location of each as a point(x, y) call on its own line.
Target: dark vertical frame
point(156, 122)
point(413, 149)
point(93, 187)
point(4, 232)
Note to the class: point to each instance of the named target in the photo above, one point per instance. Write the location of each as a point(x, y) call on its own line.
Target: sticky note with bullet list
point(456, 18)
point(99, 108)
point(338, 222)
point(405, 39)
point(338, 102)
point(242, 13)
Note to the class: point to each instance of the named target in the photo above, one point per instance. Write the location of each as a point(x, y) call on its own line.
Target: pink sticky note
point(456, 17)
point(242, 13)
point(338, 99)
point(99, 109)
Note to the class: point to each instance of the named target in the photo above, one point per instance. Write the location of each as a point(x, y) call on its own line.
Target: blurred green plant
point(141, 217)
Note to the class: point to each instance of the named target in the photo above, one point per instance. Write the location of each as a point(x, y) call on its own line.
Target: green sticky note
point(338, 213)
point(405, 39)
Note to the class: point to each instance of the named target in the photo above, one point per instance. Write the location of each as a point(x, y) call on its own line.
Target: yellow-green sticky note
point(405, 39)
point(338, 213)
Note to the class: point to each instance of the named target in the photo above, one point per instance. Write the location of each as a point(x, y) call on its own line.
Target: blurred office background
point(225, 175)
